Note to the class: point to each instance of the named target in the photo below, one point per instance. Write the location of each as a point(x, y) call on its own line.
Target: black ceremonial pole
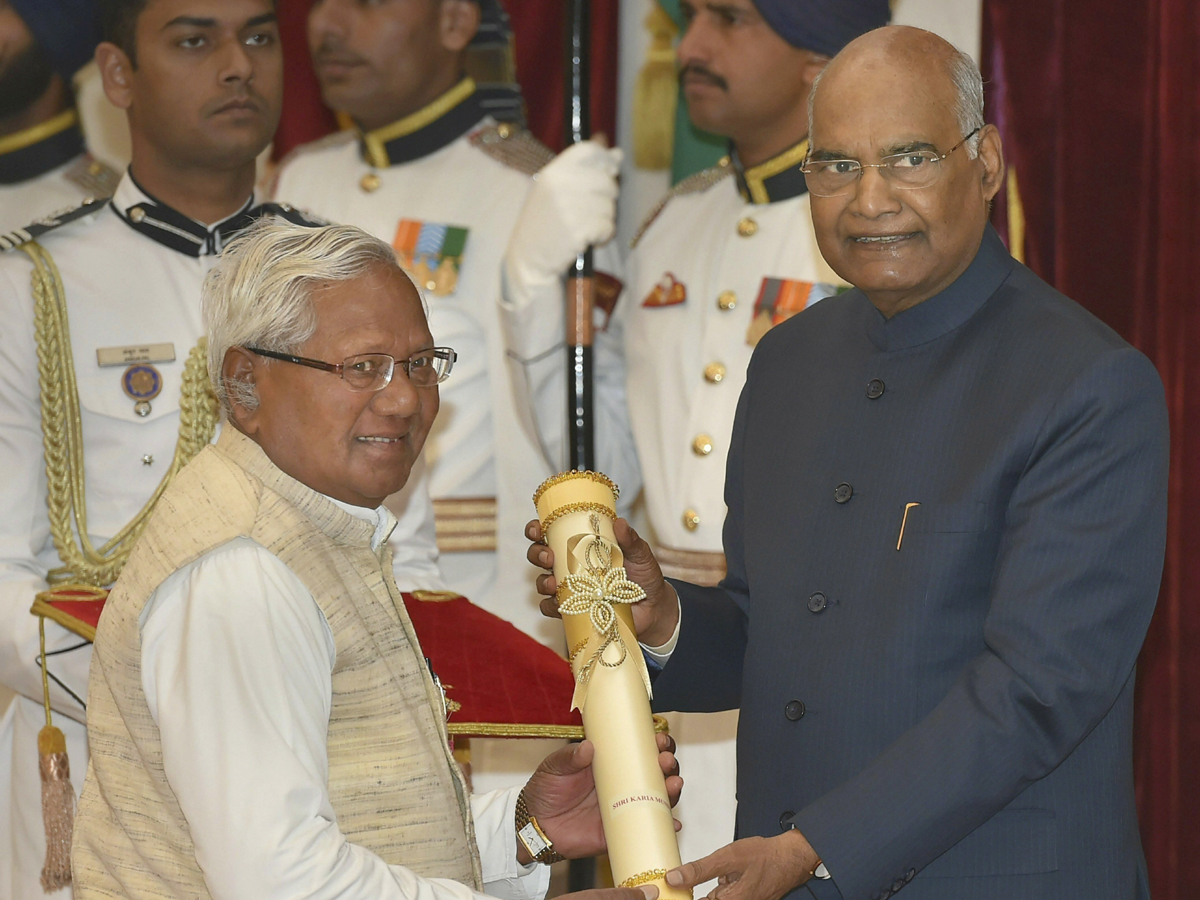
point(581, 873)
point(580, 277)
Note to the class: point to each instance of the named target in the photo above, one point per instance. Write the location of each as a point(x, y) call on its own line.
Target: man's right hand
point(654, 618)
point(645, 892)
point(572, 205)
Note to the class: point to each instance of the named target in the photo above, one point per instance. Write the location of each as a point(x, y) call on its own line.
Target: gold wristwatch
point(531, 836)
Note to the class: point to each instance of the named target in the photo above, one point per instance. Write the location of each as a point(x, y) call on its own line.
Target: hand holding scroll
point(562, 795)
point(755, 868)
point(653, 618)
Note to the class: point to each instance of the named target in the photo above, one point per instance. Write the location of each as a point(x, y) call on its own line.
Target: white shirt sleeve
point(236, 668)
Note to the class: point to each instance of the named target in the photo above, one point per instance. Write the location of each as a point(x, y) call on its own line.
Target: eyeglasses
point(373, 371)
point(909, 171)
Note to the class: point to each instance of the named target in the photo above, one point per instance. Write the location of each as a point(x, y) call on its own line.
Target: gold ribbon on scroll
point(612, 686)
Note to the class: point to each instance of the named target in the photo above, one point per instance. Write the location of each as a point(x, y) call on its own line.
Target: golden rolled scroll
point(612, 687)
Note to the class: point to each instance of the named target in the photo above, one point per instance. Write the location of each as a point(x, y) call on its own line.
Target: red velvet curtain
point(540, 30)
point(1100, 112)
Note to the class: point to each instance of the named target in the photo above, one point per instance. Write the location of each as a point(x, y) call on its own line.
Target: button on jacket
point(969, 697)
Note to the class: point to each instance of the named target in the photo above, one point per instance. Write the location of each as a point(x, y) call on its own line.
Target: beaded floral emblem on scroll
point(593, 592)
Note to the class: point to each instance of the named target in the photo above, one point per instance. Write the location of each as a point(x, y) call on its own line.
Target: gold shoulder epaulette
point(36, 229)
point(693, 184)
point(93, 176)
point(514, 146)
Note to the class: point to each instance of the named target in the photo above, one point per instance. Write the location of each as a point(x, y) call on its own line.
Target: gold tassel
point(58, 796)
point(655, 96)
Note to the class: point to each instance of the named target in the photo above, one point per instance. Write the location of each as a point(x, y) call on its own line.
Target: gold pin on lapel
point(903, 522)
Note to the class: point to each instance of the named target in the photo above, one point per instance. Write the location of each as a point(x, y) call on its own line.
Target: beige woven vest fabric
point(394, 786)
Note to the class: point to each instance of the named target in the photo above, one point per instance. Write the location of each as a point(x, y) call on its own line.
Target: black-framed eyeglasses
point(909, 171)
point(373, 371)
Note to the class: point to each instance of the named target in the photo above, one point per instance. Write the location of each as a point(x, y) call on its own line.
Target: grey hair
point(968, 103)
point(259, 294)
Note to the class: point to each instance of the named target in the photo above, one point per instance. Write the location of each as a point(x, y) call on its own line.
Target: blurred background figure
point(44, 166)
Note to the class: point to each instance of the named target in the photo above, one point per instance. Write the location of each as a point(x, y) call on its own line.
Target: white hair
point(259, 294)
point(968, 101)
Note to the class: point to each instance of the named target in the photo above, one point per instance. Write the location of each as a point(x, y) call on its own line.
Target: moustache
point(700, 73)
point(332, 51)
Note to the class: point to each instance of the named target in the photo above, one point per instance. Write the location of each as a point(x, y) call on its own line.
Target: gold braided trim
point(66, 620)
point(510, 730)
point(597, 477)
point(39, 132)
point(62, 436)
point(643, 878)
point(376, 140)
point(586, 506)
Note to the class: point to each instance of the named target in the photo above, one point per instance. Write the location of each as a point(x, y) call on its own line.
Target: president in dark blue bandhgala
point(947, 515)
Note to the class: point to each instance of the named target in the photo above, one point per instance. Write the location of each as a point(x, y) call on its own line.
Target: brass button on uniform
point(726, 301)
point(842, 492)
point(505, 130)
point(137, 214)
point(691, 519)
point(370, 182)
point(702, 445)
point(714, 372)
point(747, 227)
point(875, 389)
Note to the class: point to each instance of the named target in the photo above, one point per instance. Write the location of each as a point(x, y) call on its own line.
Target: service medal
point(141, 383)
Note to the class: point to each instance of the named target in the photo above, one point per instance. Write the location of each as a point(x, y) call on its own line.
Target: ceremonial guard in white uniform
point(44, 167)
point(103, 389)
point(444, 184)
point(728, 254)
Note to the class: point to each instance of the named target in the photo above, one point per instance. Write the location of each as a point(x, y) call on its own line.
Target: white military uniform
point(723, 240)
point(447, 167)
point(131, 271)
point(44, 169)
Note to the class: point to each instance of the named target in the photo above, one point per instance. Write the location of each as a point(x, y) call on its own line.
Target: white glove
point(572, 204)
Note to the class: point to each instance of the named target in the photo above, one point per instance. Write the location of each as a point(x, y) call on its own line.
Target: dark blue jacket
point(952, 719)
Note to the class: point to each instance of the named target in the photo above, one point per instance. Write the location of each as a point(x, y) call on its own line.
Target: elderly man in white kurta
point(262, 721)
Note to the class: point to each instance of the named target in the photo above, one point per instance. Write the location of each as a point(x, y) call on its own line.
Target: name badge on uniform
point(668, 292)
point(135, 353)
point(778, 300)
point(431, 253)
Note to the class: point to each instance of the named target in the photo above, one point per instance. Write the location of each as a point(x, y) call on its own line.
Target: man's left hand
point(755, 868)
point(562, 796)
